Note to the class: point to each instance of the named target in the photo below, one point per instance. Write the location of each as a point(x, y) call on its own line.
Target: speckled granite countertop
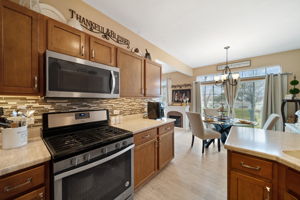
point(265, 144)
point(35, 152)
point(139, 124)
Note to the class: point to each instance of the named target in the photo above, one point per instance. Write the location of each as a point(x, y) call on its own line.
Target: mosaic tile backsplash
point(126, 106)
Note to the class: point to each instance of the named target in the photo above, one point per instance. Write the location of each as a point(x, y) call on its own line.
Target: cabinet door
point(244, 187)
point(67, 40)
point(132, 73)
point(145, 165)
point(38, 194)
point(19, 50)
point(152, 79)
point(165, 149)
point(102, 52)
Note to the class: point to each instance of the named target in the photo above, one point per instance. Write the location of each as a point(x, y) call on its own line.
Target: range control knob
point(87, 157)
point(74, 161)
point(124, 143)
point(104, 150)
point(118, 145)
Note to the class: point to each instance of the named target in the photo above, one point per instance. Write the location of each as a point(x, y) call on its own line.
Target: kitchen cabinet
point(19, 68)
point(67, 40)
point(38, 194)
point(22, 185)
point(152, 79)
point(154, 149)
point(102, 52)
point(245, 187)
point(251, 178)
point(131, 72)
point(165, 145)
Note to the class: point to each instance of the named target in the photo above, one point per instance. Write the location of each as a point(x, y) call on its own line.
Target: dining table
point(223, 126)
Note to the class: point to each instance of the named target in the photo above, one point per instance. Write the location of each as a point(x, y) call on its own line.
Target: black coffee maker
point(155, 110)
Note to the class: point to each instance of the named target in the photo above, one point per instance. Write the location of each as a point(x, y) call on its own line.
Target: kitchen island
point(263, 164)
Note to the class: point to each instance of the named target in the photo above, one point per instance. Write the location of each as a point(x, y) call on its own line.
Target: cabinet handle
point(82, 50)
point(93, 53)
point(10, 188)
point(146, 136)
point(250, 167)
point(41, 195)
point(268, 189)
point(36, 82)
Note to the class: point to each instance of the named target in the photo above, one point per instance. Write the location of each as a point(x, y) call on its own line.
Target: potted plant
point(294, 91)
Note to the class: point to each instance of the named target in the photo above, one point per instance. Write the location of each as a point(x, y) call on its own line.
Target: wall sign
point(96, 28)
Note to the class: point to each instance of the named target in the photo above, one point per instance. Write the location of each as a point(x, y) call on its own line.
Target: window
point(249, 101)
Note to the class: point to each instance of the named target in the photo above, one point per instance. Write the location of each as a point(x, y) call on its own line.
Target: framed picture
point(179, 96)
point(235, 65)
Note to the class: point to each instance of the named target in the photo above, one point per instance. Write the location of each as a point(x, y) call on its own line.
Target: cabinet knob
point(41, 195)
point(35, 82)
point(93, 53)
point(268, 189)
point(82, 50)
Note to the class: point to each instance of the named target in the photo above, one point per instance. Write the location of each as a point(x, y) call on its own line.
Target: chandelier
point(227, 76)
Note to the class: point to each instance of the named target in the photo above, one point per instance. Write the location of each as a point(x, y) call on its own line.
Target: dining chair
point(211, 112)
point(200, 131)
point(271, 121)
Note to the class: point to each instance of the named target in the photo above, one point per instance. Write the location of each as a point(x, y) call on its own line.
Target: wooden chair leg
point(219, 145)
point(193, 138)
point(203, 145)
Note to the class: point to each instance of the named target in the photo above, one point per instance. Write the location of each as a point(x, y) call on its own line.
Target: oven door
point(108, 178)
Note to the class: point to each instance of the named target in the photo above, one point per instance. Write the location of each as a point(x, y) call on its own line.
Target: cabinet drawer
point(252, 165)
point(165, 128)
point(145, 136)
point(38, 194)
point(21, 182)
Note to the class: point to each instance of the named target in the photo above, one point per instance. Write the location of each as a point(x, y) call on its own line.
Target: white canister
point(14, 137)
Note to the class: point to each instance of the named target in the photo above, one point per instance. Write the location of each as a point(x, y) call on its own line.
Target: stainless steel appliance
point(90, 159)
point(68, 76)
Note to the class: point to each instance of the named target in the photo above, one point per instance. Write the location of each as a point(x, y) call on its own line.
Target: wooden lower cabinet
point(152, 152)
point(165, 149)
point(38, 194)
point(252, 178)
point(27, 184)
point(244, 187)
point(145, 157)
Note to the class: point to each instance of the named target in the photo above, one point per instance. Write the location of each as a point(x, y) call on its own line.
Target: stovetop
point(75, 142)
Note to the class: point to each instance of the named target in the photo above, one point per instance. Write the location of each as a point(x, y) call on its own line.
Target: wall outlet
point(116, 112)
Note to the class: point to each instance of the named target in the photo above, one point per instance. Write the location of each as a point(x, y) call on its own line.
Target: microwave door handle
point(113, 78)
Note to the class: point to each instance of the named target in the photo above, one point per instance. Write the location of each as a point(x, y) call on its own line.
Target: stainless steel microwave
point(68, 76)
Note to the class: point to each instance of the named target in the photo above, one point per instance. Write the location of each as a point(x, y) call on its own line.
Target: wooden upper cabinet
point(131, 72)
point(67, 40)
point(102, 52)
point(19, 72)
point(152, 78)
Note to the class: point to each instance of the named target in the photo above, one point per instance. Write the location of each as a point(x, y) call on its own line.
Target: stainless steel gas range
point(90, 159)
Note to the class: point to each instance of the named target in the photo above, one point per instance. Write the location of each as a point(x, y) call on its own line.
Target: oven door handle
point(93, 164)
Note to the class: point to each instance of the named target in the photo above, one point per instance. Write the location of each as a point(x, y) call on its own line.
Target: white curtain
point(276, 87)
point(231, 93)
point(196, 97)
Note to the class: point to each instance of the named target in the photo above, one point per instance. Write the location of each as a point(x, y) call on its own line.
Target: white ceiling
point(196, 31)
